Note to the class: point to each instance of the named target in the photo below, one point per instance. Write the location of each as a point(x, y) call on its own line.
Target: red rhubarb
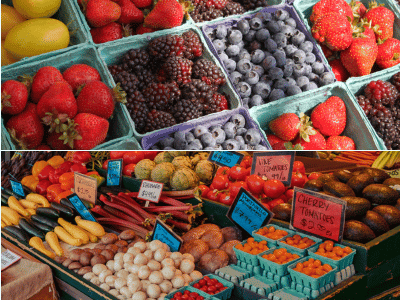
point(114, 221)
point(121, 208)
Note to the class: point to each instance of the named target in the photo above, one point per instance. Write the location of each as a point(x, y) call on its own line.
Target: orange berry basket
point(277, 261)
point(299, 243)
point(272, 234)
point(247, 250)
point(335, 254)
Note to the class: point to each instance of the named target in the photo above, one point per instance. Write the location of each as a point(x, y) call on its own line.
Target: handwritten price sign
point(17, 188)
point(225, 158)
point(80, 207)
point(164, 234)
point(394, 173)
point(85, 187)
point(114, 172)
point(150, 191)
point(318, 214)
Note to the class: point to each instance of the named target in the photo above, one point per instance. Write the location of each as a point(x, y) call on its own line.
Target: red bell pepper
point(42, 186)
point(54, 177)
point(44, 174)
point(64, 167)
point(275, 202)
point(52, 192)
point(81, 157)
point(67, 181)
point(79, 167)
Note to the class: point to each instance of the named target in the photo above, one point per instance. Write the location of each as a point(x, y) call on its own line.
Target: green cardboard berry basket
point(113, 53)
point(225, 294)
point(123, 144)
point(296, 250)
point(69, 16)
point(259, 237)
point(187, 288)
point(247, 257)
point(119, 129)
point(273, 267)
point(357, 127)
point(340, 263)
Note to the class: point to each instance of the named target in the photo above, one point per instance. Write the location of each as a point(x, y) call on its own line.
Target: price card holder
point(114, 172)
point(318, 214)
point(17, 188)
point(150, 191)
point(274, 165)
point(85, 187)
point(248, 213)
point(8, 258)
point(80, 207)
point(164, 234)
point(394, 173)
point(225, 158)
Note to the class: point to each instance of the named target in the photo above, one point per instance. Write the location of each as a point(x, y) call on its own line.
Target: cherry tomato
point(248, 171)
point(105, 164)
point(298, 166)
point(203, 190)
point(314, 175)
point(275, 202)
point(150, 154)
point(186, 292)
point(116, 154)
point(237, 173)
point(246, 162)
point(81, 157)
point(212, 195)
point(283, 197)
point(273, 188)
point(220, 182)
point(219, 285)
point(235, 188)
point(225, 198)
point(223, 171)
point(78, 167)
point(266, 205)
point(133, 157)
point(214, 281)
point(289, 193)
point(298, 180)
point(255, 184)
point(204, 289)
point(128, 170)
point(211, 289)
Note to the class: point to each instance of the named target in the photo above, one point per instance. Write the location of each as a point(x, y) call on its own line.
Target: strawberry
point(327, 52)
point(383, 17)
point(80, 74)
point(107, 33)
point(280, 145)
point(286, 126)
point(130, 13)
point(364, 29)
point(14, 95)
point(323, 7)
point(340, 143)
point(25, 128)
point(42, 80)
point(388, 53)
point(273, 139)
point(358, 9)
point(141, 29)
point(102, 12)
point(360, 57)
point(142, 3)
point(329, 117)
point(43, 147)
point(54, 141)
point(339, 70)
point(166, 14)
point(314, 141)
point(334, 31)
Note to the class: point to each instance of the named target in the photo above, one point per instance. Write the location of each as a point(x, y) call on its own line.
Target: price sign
point(274, 165)
point(114, 172)
point(85, 187)
point(80, 207)
point(394, 173)
point(318, 214)
point(164, 234)
point(248, 213)
point(225, 158)
point(17, 188)
point(150, 191)
point(8, 258)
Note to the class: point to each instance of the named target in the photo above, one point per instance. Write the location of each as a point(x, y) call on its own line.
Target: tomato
point(78, 167)
point(273, 188)
point(220, 182)
point(237, 173)
point(298, 180)
point(289, 193)
point(105, 164)
point(128, 170)
point(246, 162)
point(150, 154)
point(314, 175)
point(266, 205)
point(225, 198)
point(116, 154)
point(223, 171)
point(133, 157)
point(283, 197)
point(255, 184)
point(235, 188)
point(81, 157)
point(212, 195)
point(275, 202)
point(298, 166)
point(203, 190)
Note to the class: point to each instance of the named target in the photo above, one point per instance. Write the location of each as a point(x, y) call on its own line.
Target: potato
point(85, 258)
point(122, 250)
point(109, 238)
point(96, 251)
point(121, 243)
point(213, 238)
point(127, 235)
point(231, 233)
point(197, 248)
point(108, 254)
point(228, 248)
point(214, 260)
point(100, 246)
point(75, 254)
point(75, 265)
point(197, 233)
point(84, 270)
point(60, 259)
point(67, 262)
point(98, 259)
point(112, 247)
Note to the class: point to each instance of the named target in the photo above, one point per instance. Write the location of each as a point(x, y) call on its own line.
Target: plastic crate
point(340, 264)
point(274, 268)
point(357, 127)
point(210, 120)
point(225, 294)
point(119, 129)
point(308, 281)
point(67, 14)
point(296, 250)
point(113, 53)
point(247, 257)
point(187, 288)
point(260, 285)
point(259, 237)
point(127, 144)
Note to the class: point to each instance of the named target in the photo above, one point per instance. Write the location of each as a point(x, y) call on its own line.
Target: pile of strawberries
point(355, 39)
point(322, 132)
point(114, 19)
point(59, 111)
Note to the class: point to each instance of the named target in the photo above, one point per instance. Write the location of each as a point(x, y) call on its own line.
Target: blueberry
point(263, 89)
point(244, 89)
point(288, 70)
point(291, 22)
point(298, 37)
point(256, 23)
point(243, 26)
point(313, 77)
point(180, 144)
point(223, 56)
point(302, 81)
point(251, 77)
point(244, 66)
point(238, 120)
point(281, 84)
point(287, 31)
point(326, 78)
point(221, 32)
point(293, 90)
point(195, 145)
point(236, 77)
point(291, 81)
point(189, 137)
point(258, 69)
point(262, 35)
point(245, 102)
point(241, 45)
point(252, 137)
point(167, 142)
point(289, 61)
point(209, 148)
point(219, 135)
point(257, 56)
point(231, 144)
point(208, 140)
point(232, 50)
point(199, 130)
point(209, 32)
point(268, 63)
point(273, 27)
point(290, 50)
point(264, 16)
point(299, 57)
point(275, 73)
point(169, 148)
point(310, 57)
point(244, 54)
point(235, 37)
point(219, 45)
point(281, 14)
point(230, 65)
point(155, 148)
point(180, 136)
point(307, 46)
point(230, 130)
point(310, 86)
point(213, 127)
point(307, 69)
point(250, 36)
point(298, 70)
point(261, 147)
point(241, 131)
point(280, 57)
point(280, 40)
point(318, 68)
point(276, 94)
point(256, 100)
point(270, 45)
point(254, 45)
point(280, 23)
point(240, 140)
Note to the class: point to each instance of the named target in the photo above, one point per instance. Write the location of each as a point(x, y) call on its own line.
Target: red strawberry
point(340, 143)
point(358, 9)
point(43, 147)
point(339, 70)
point(42, 80)
point(141, 29)
point(323, 7)
point(102, 12)
point(383, 17)
point(14, 96)
point(334, 31)
point(315, 141)
point(25, 128)
point(360, 57)
point(107, 33)
point(166, 14)
point(280, 145)
point(388, 53)
point(130, 13)
point(364, 29)
point(273, 139)
point(329, 117)
point(142, 3)
point(80, 74)
point(54, 141)
point(286, 126)
point(327, 52)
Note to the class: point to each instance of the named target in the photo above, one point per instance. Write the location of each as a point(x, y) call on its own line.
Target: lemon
point(31, 9)
point(6, 57)
point(9, 18)
point(37, 36)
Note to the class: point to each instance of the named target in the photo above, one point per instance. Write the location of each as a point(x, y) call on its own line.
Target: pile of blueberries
point(267, 58)
point(232, 135)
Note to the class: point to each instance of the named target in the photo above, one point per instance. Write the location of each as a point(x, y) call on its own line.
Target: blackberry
point(138, 110)
point(159, 119)
point(194, 47)
point(115, 69)
point(364, 103)
point(208, 72)
point(217, 104)
point(166, 46)
point(128, 81)
point(233, 8)
point(381, 92)
point(186, 110)
point(197, 12)
point(253, 4)
point(211, 14)
point(135, 58)
point(161, 96)
point(396, 81)
point(199, 90)
point(395, 112)
point(384, 124)
point(178, 69)
point(145, 77)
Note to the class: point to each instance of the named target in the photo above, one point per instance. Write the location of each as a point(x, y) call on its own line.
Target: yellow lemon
point(9, 18)
point(37, 36)
point(31, 9)
point(6, 57)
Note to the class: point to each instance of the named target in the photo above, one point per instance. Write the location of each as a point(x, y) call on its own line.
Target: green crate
point(273, 267)
point(247, 257)
point(225, 294)
point(296, 250)
point(187, 288)
point(357, 127)
point(67, 14)
point(259, 237)
point(340, 263)
point(127, 144)
point(119, 129)
point(113, 53)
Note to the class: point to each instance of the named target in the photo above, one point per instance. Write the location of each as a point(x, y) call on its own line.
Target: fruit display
point(328, 250)
point(253, 247)
point(268, 57)
point(313, 267)
point(298, 241)
point(209, 285)
point(281, 256)
point(272, 233)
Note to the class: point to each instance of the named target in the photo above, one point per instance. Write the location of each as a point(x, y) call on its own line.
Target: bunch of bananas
point(386, 160)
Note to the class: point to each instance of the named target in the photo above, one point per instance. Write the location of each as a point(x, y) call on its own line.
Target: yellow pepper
point(55, 161)
point(37, 167)
point(31, 182)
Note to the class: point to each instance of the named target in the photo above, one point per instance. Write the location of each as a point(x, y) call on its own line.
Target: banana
point(381, 160)
point(394, 156)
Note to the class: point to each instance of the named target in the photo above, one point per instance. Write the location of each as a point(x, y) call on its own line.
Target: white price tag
point(150, 191)
point(8, 258)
